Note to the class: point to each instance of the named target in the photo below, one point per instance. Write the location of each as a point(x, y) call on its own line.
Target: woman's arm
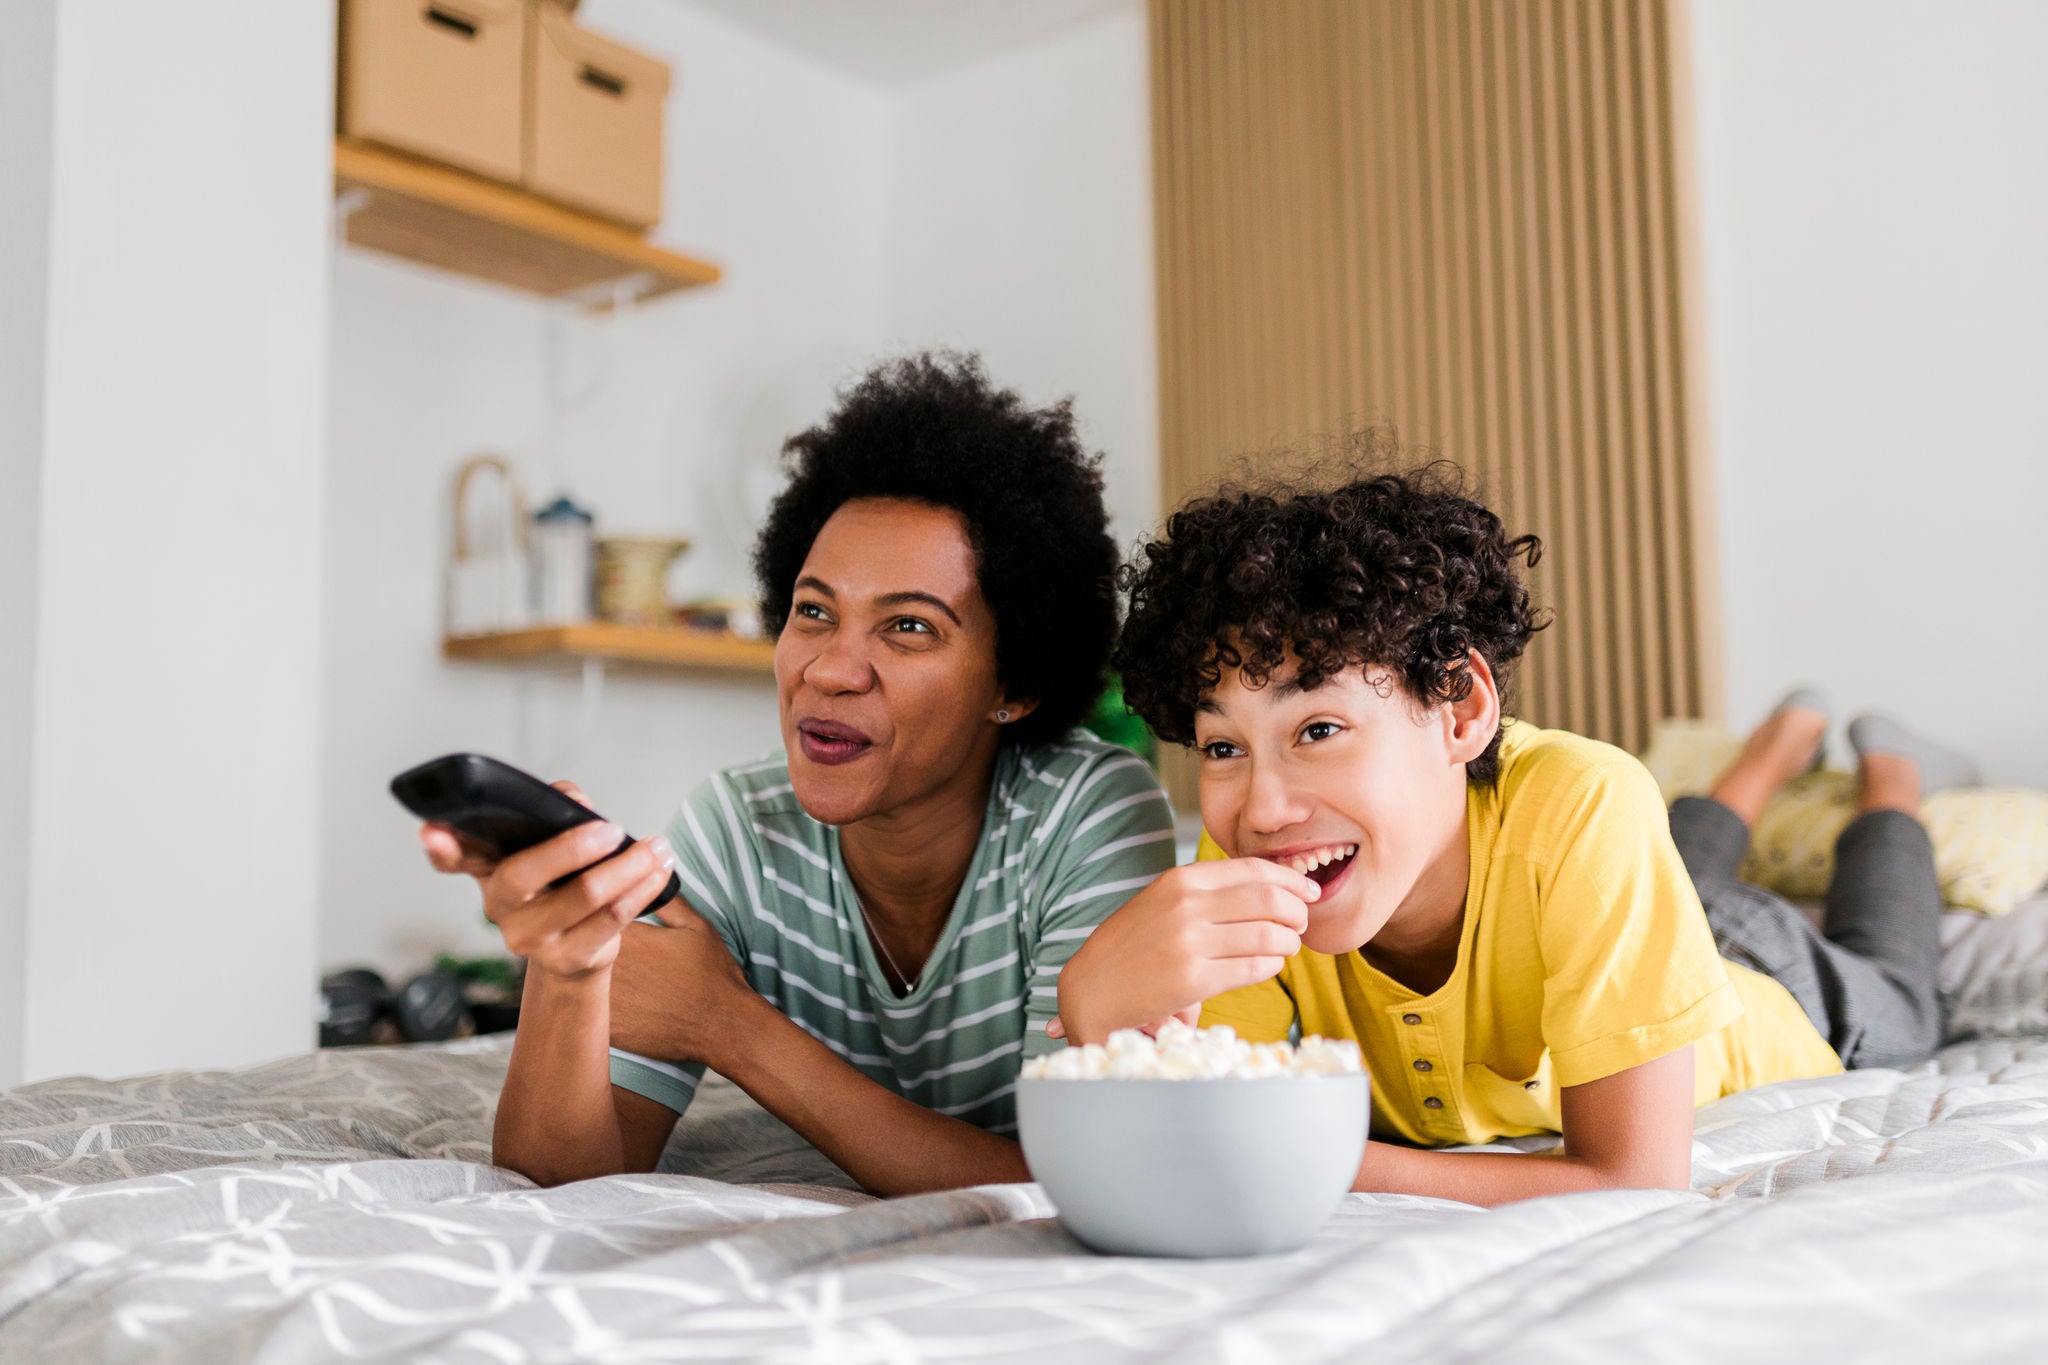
point(891, 1145)
point(1631, 1130)
point(557, 1119)
point(680, 994)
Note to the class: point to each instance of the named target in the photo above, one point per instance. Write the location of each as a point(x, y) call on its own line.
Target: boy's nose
point(1269, 805)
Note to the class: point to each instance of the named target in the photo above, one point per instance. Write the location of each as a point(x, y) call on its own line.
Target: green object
point(492, 971)
point(1112, 721)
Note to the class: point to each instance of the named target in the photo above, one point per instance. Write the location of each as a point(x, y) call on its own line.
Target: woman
point(876, 917)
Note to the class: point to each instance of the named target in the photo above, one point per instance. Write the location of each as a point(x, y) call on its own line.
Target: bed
point(340, 1205)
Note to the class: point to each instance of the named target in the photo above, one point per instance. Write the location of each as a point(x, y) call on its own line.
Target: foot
point(1784, 746)
point(1940, 768)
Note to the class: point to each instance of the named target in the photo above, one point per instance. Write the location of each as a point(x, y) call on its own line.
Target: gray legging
point(1870, 980)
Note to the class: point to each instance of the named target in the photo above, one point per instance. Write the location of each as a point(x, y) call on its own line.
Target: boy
point(1498, 914)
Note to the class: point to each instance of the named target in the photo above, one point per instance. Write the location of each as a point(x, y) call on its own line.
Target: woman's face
point(886, 671)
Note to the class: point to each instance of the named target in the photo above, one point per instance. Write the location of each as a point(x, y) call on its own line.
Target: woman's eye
point(913, 626)
point(1217, 748)
point(810, 611)
point(1319, 730)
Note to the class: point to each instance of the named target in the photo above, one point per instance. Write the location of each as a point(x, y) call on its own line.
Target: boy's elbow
point(1644, 1175)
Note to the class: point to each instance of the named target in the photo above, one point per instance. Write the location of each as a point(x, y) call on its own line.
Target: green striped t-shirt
point(1072, 831)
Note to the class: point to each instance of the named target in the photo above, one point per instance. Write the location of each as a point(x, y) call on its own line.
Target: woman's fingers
point(574, 792)
point(526, 874)
point(615, 891)
point(447, 852)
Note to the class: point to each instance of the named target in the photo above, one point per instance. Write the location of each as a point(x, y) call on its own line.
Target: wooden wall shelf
point(661, 646)
point(455, 221)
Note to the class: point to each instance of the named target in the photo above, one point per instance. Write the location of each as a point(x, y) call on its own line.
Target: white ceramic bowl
point(1194, 1168)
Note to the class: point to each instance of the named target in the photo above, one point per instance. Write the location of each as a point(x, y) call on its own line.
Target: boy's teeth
point(1305, 863)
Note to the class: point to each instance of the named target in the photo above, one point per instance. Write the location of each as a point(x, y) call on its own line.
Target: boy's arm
point(1631, 1130)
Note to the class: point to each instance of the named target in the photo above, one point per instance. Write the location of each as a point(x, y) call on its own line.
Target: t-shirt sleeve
point(1261, 1013)
point(1114, 838)
point(707, 834)
point(1630, 968)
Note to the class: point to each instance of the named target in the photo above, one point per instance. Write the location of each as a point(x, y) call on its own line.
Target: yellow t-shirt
point(1584, 952)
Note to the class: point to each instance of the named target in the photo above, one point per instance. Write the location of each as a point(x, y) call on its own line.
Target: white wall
point(1875, 194)
point(853, 221)
point(778, 169)
point(1023, 229)
point(27, 83)
point(174, 482)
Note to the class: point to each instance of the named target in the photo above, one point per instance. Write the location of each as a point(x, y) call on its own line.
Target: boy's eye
point(1219, 748)
point(1319, 730)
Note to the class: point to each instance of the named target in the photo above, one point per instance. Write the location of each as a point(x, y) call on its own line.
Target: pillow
point(1990, 843)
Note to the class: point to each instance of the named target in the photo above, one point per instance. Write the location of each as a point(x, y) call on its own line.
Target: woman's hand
point(1195, 932)
point(571, 931)
point(677, 994)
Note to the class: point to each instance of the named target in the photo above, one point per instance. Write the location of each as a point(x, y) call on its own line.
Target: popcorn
point(1181, 1053)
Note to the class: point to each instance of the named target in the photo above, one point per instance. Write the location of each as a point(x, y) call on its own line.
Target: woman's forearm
point(556, 1120)
point(1491, 1178)
point(891, 1145)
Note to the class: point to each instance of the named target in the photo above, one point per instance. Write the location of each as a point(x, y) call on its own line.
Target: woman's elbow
point(549, 1170)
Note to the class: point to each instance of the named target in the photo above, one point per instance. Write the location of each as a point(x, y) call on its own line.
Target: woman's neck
point(908, 863)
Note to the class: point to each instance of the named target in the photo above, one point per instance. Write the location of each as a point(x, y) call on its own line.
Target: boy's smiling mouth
point(1322, 864)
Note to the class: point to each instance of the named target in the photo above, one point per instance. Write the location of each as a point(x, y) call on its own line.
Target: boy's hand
point(1196, 932)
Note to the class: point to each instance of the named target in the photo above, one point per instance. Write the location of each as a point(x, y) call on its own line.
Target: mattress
point(340, 1205)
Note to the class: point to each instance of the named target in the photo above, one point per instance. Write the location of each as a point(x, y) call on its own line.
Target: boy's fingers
point(1231, 973)
point(1055, 1029)
point(1232, 872)
point(1258, 903)
point(1255, 938)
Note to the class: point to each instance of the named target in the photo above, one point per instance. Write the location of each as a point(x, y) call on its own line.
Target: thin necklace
point(875, 938)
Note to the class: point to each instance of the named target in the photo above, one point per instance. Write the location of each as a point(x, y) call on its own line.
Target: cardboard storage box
point(441, 78)
point(593, 120)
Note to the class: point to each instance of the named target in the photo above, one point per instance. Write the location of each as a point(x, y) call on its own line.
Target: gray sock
point(1940, 768)
point(1809, 699)
point(1805, 698)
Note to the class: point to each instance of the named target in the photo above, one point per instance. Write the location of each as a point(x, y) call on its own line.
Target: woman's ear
point(1009, 712)
point(1472, 723)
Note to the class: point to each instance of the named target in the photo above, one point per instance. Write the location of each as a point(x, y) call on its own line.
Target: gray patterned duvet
point(340, 1206)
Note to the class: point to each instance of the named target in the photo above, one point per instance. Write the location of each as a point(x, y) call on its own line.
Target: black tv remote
point(501, 809)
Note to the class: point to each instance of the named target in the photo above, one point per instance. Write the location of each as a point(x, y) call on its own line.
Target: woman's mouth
point(831, 743)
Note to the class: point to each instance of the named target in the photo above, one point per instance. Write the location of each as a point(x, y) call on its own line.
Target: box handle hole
point(453, 22)
point(600, 80)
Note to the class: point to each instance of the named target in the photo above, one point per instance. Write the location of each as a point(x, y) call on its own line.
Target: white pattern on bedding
point(1881, 1214)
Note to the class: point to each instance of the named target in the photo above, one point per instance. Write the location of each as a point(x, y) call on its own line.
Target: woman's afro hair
point(1405, 571)
point(931, 428)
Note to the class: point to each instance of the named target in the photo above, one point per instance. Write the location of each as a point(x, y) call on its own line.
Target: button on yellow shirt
point(1584, 951)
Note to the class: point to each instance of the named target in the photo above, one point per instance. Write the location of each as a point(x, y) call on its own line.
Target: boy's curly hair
point(932, 428)
point(1403, 570)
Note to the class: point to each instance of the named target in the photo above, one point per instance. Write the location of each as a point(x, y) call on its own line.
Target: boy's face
point(1354, 773)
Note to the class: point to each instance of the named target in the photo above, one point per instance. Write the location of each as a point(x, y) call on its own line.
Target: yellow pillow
point(1990, 843)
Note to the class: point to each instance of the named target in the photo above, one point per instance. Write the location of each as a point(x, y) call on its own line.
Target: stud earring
point(1002, 717)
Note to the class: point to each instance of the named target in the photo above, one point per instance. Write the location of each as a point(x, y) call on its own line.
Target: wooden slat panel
point(1470, 219)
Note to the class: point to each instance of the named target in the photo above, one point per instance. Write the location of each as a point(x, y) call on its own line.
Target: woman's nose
point(841, 666)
